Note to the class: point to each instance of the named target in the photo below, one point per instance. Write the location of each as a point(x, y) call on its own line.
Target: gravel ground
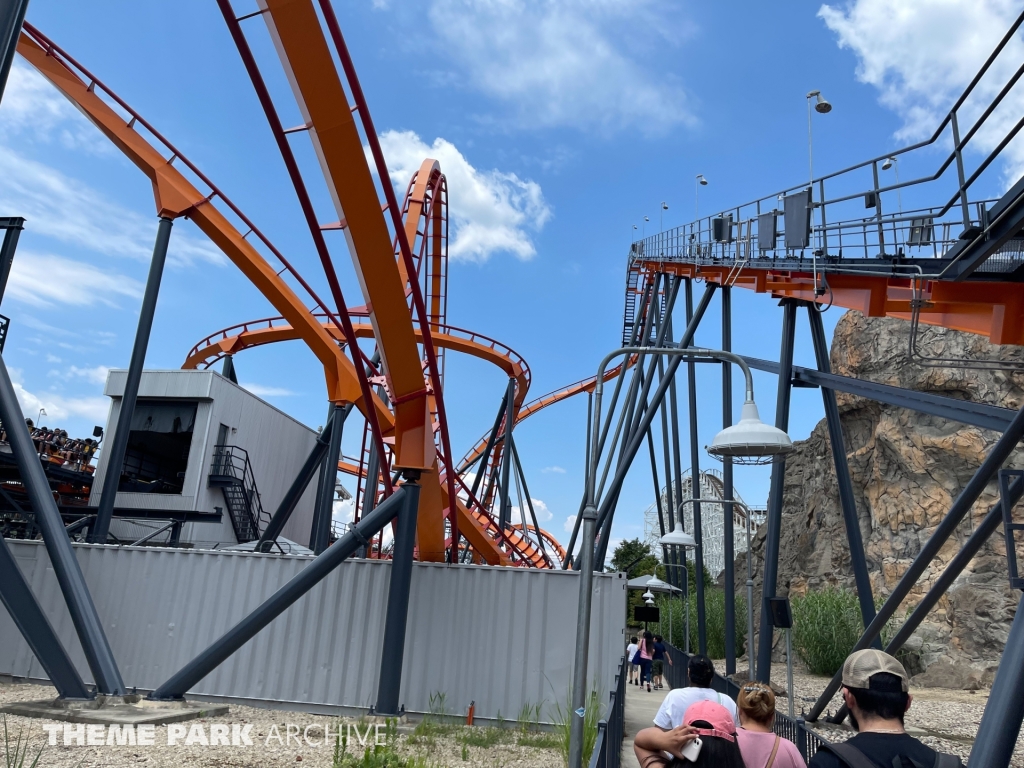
point(267, 751)
point(943, 719)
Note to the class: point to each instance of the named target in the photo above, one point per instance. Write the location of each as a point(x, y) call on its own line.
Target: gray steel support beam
point(988, 526)
point(17, 597)
point(320, 533)
point(297, 488)
point(58, 546)
point(847, 500)
point(491, 439)
point(116, 449)
point(389, 686)
point(12, 16)
point(698, 525)
point(771, 552)
point(959, 509)
point(727, 489)
point(674, 577)
point(992, 417)
point(607, 507)
point(506, 455)
point(222, 648)
point(10, 244)
point(529, 502)
point(1000, 724)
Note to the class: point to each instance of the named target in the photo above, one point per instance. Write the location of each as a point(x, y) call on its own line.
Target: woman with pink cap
point(706, 739)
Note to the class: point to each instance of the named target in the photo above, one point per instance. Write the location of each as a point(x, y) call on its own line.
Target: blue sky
point(560, 124)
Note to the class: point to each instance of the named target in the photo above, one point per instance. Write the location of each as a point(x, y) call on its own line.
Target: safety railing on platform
point(808, 221)
point(610, 730)
point(807, 741)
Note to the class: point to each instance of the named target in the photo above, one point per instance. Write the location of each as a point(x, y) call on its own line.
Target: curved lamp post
point(749, 439)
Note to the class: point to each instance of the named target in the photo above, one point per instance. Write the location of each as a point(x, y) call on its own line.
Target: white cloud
point(35, 111)
point(567, 63)
point(43, 280)
point(921, 54)
point(570, 523)
point(264, 391)
point(555, 468)
point(96, 375)
point(521, 511)
point(489, 211)
point(58, 406)
point(70, 211)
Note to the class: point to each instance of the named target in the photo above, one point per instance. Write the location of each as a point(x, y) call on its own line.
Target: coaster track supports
point(771, 553)
point(119, 444)
point(847, 500)
point(727, 494)
point(698, 524)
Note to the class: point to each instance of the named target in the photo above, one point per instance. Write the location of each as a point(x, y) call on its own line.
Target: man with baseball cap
point(875, 690)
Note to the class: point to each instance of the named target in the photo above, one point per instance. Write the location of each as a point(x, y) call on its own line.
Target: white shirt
point(630, 652)
point(673, 708)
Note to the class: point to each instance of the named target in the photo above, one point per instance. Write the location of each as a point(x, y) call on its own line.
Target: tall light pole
point(890, 162)
point(632, 236)
point(661, 214)
point(700, 182)
point(750, 437)
point(644, 234)
point(822, 107)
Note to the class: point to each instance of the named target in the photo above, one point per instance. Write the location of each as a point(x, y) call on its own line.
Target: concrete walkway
point(641, 707)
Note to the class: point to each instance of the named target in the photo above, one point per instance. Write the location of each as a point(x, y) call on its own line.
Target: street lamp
point(646, 219)
point(890, 162)
point(661, 215)
point(39, 416)
point(821, 106)
point(749, 439)
point(701, 182)
point(682, 539)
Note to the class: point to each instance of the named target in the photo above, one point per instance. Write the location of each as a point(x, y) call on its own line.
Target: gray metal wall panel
point(502, 637)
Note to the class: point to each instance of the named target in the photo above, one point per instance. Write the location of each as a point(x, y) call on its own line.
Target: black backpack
point(850, 756)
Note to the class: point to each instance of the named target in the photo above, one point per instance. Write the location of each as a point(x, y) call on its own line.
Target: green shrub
point(714, 608)
point(826, 626)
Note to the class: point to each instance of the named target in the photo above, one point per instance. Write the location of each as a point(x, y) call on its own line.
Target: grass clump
point(16, 754)
point(826, 626)
point(563, 725)
point(379, 755)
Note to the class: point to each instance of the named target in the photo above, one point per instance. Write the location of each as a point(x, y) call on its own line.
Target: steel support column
point(771, 550)
point(1009, 496)
point(24, 609)
point(10, 244)
point(698, 524)
point(58, 546)
point(1000, 724)
point(116, 449)
point(960, 508)
point(506, 455)
point(222, 648)
point(319, 535)
point(607, 506)
point(12, 16)
point(847, 500)
point(297, 488)
point(729, 510)
point(397, 617)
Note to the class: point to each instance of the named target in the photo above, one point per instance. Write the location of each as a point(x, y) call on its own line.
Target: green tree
point(634, 558)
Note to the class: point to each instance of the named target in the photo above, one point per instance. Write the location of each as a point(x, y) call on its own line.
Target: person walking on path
point(646, 656)
point(634, 669)
point(658, 661)
point(701, 672)
point(759, 745)
point(876, 691)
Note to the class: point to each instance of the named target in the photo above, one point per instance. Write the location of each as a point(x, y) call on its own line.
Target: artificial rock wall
point(907, 469)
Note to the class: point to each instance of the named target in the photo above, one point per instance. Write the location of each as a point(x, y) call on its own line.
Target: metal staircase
point(232, 473)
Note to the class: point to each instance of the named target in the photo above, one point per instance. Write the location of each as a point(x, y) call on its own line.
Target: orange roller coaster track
point(413, 437)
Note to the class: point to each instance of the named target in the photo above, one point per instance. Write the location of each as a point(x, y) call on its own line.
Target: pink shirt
point(757, 747)
point(645, 652)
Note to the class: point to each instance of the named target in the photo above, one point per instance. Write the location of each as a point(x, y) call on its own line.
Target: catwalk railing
point(807, 741)
point(824, 219)
point(610, 730)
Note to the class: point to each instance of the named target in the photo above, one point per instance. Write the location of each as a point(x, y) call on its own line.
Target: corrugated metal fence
point(502, 637)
